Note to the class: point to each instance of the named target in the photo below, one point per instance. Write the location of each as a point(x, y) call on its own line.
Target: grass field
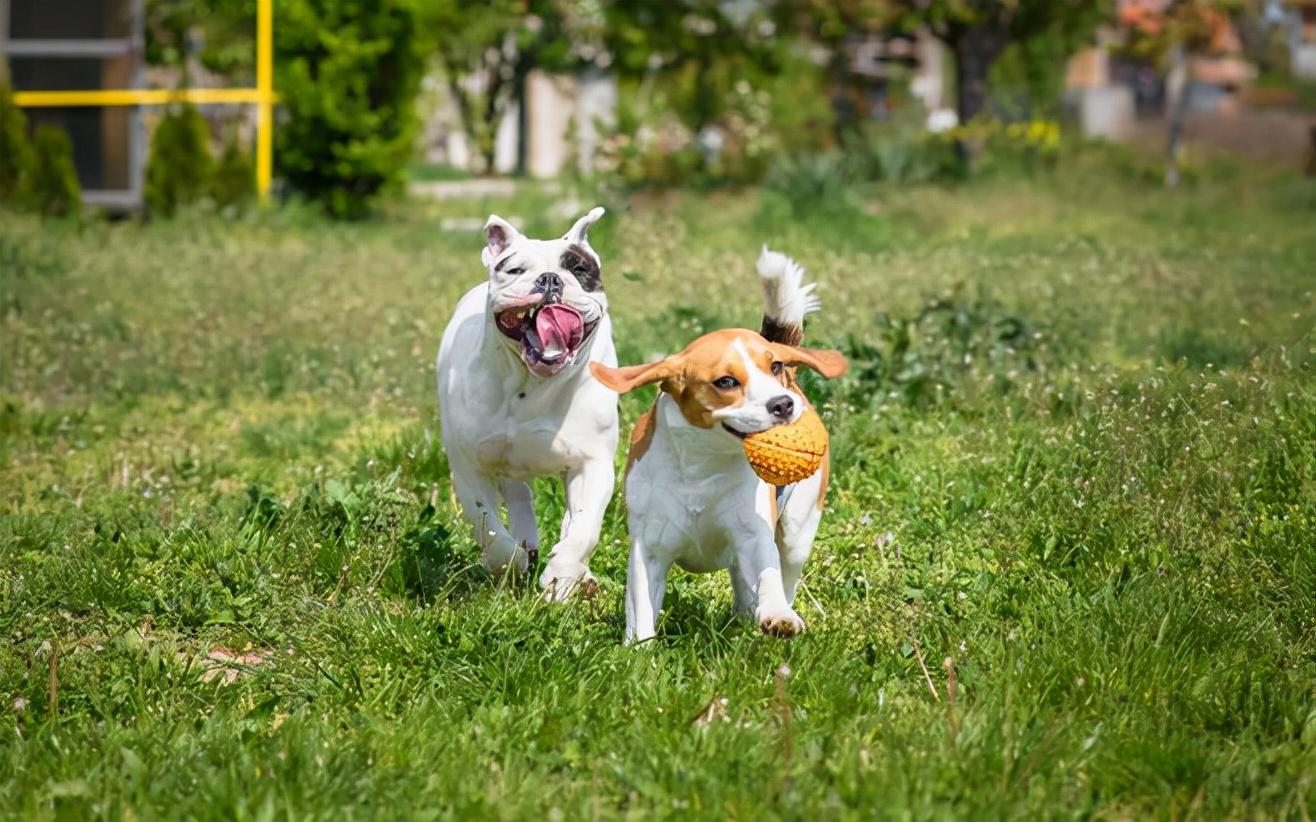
point(1075, 464)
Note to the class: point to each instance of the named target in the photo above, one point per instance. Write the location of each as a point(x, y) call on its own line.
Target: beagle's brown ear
point(629, 377)
point(828, 364)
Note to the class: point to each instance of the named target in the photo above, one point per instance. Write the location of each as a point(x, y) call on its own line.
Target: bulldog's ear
point(629, 377)
point(579, 232)
point(828, 364)
point(498, 235)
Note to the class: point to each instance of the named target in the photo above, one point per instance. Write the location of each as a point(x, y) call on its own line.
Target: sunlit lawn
point(1075, 463)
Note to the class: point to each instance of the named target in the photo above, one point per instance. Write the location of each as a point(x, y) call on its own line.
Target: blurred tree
point(347, 73)
point(235, 180)
point(978, 32)
point(219, 34)
point(705, 46)
point(180, 169)
point(712, 90)
point(1039, 34)
point(15, 152)
point(832, 24)
point(488, 49)
point(51, 184)
point(1030, 74)
point(1174, 36)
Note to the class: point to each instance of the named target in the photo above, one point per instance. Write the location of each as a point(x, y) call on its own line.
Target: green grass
point(1076, 456)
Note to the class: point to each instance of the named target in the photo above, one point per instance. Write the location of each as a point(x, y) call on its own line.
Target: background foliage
point(15, 152)
point(180, 169)
point(235, 181)
point(502, 42)
point(50, 186)
point(348, 76)
point(710, 92)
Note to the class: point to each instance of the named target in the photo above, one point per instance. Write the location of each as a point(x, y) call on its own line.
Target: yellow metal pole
point(263, 96)
point(265, 89)
point(135, 97)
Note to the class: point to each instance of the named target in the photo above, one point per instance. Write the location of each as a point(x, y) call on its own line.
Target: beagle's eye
point(777, 367)
point(726, 383)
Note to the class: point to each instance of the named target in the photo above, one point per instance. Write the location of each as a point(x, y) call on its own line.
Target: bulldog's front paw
point(505, 558)
point(561, 579)
point(780, 623)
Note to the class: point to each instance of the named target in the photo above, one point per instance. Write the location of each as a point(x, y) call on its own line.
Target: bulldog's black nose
point(550, 285)
point(781, 407)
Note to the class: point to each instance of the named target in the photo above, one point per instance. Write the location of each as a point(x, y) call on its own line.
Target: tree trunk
point(489, 153)
point(848, 116)
point(976, 48)
point(494, 106)
point(520, 85)
point(1183, 69)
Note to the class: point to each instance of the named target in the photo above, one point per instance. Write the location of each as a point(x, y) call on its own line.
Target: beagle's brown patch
point(642, 436)
point(689, 376)
point(787, 334)
point(709, 359)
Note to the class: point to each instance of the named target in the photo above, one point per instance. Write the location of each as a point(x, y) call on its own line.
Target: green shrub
point(951, 345)
point(15, 153)
point(903, 151)
point(819, 196)
point(759, 119)
point(235, 183)
point(1197, 348)
point(179, 170)
point(810, 183)
point(348, 76)
point(1015, 148)
point(51, 183)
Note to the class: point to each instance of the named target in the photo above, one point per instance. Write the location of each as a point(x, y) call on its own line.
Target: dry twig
point(918, 651)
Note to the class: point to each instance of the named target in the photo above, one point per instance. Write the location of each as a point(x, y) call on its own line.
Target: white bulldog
point(517, 401)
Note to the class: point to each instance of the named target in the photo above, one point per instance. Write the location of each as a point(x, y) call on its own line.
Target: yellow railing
point(262, 96)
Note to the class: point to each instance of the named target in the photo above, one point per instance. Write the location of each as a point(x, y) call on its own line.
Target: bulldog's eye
point(726, 383)
point(515, 272)
point(778, 367)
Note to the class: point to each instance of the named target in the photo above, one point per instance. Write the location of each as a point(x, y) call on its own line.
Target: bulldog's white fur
point(691, 497)
point(514, 406)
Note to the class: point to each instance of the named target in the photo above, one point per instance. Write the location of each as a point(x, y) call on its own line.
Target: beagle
point(691, 496)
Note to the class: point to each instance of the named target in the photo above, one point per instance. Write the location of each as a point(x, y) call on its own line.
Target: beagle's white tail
point(786, 298)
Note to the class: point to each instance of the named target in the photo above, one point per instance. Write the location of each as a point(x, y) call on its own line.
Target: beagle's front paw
point(780, 623)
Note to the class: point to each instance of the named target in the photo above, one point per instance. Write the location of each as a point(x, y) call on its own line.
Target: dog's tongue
point(559, 329)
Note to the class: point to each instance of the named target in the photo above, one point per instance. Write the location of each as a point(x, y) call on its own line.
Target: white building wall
point(567, 117)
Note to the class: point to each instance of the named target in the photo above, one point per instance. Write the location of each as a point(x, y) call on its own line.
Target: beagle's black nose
point(781, 407)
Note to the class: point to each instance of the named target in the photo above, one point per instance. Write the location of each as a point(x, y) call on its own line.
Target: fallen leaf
point(227, 663)
point(714, 711)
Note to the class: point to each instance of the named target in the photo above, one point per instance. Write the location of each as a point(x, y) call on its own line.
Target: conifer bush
point(179, 169)
point(235, 183)
point(50, 184)
point(15, 151)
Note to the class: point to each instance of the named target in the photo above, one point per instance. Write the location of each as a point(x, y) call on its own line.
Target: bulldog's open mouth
point(550, 335)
